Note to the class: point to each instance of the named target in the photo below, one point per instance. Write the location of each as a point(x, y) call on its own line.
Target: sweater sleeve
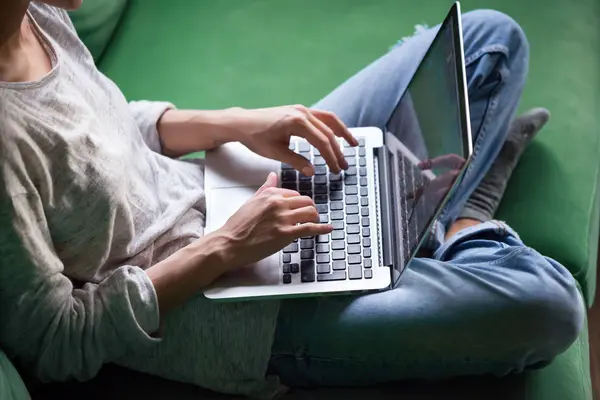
point(146, 115)
point(56, 330)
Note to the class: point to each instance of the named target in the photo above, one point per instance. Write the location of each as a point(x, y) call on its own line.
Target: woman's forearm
point(180, 276)
point(186, 131)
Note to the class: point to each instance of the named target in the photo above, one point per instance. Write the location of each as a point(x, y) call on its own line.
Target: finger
point(339, 128)
point(270, 182)
point(339, 155)
point(453, 161)
point(297, 161)
point(311, 229)
point(302, 215)
point(320, 141)
point(299, 202)
point(277, 191)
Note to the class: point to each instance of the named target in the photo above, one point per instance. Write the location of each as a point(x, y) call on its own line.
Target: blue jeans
point(485, 302)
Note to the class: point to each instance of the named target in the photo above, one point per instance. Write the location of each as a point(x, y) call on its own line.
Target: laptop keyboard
point(342, 200)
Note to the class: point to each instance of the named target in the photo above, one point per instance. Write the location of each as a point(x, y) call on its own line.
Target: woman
point(103, 254)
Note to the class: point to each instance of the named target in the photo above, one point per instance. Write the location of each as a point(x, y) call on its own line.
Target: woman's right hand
point(267, 222)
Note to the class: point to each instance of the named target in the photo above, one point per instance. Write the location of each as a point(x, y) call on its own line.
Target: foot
point(484, 201)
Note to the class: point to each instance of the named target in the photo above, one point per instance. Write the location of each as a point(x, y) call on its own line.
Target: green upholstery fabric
point(96, 21)
point(11, 385)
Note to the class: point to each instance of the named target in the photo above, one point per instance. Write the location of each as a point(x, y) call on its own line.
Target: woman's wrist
point(186, 131)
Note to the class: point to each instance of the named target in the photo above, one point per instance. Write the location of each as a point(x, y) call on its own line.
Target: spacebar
point(334, 276)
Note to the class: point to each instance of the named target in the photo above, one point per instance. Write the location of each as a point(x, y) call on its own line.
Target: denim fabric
point(484, 302)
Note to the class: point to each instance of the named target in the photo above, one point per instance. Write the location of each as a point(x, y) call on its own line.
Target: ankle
point(459, 225)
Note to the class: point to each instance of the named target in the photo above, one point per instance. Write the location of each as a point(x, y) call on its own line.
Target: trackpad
point(222, 203)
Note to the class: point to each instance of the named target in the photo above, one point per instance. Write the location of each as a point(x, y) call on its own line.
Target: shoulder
point(46, 16)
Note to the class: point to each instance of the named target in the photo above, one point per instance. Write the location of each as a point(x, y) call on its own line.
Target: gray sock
point(484, 201)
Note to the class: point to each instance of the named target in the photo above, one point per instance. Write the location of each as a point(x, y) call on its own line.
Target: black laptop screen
point(425, 138)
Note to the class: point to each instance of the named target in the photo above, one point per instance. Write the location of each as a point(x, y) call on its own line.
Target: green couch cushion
point(11, 385)
point(261, 53)
point(96, 21)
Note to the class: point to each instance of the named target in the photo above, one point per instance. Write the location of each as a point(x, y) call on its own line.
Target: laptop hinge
point(386, 220)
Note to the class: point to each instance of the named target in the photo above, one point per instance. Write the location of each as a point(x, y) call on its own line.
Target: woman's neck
point(23, 58)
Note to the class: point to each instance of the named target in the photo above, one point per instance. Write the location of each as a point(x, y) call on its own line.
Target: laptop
point(381, 207)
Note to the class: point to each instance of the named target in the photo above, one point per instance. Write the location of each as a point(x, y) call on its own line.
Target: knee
point(551, 311)
point(494, 29)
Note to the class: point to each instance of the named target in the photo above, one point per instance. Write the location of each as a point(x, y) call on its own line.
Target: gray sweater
point(87, 203)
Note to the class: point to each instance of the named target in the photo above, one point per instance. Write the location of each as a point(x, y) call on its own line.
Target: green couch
point(209, 54)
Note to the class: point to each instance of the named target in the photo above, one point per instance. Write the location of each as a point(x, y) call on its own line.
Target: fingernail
point(345, 164)
point(307, 171)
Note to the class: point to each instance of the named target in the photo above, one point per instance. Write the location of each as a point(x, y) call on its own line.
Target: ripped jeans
point(485, 302)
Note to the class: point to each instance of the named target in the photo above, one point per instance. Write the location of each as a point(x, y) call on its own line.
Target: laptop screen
point(425, 140)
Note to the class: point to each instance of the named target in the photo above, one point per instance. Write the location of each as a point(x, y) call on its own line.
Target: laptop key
point(319, 161)
point(337, 235)
point(351, 200)
point(323, 239)
point(362, 171)
point(335, 177)
point(364, 191)
point(353, 239)
point(292, 146)
point(355, 272)
point(337, 196)
point(363, 182)
point(366, 232)
point(320, 170)
point(307, 244)
point(306, 193)
point(307, 254)
point(367, 253)
point(338, 245)
point(350, 171)
point(361, 142)
point(352, 210)
point(367, 263)
point(286, 258)
point(362, 162)
point(336, 206)
point(303, 177)
point(321, 199)
point(305, 185)
point(351, 161)
point(322, 208)
point(320, 189)
point(350, 179)
point(323, 268)
point(338, 265)
point(364, 212)
point(335, 215)
point(368, 273)
point(335, 186)
point(338, 255)
point(334, 276)
point(307, 271)
point(289, 185)
point(364, 201)
point(286, 268)
point(316, 151)
point(352, 219)
point(338, 225)
point(354, 249)
point(303, 147)
point(351, 190)
point(288, 175)
point(349, 152)
point(365, 221)
point(291, 248)
point(287, 278)
point(322, 258)
point(295, 268)
point(286, 166)
point(320, 180)
point(322, 248)
point(323, 218)
point(352, 229)
point(354, 259)
point(362, 152)
point(366, 242)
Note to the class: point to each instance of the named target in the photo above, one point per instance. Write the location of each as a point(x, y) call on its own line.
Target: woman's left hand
point(267, 132)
